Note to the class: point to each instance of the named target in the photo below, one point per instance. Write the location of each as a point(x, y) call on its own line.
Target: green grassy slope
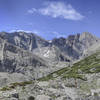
point(90, 64)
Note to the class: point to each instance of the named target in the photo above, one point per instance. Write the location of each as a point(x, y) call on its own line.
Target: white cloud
point(58, 34)
point(36, 32)
point(59, 9)
point(31, 11)
point(20, 31)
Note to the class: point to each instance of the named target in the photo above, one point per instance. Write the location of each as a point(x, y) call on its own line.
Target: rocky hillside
point(29, 54)
point(60, 69)
point(79, 82)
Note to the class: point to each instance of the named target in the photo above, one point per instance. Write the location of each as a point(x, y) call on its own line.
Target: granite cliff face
point(26, 57)
point(15, 59)
point(76, 45)
point(22, 51)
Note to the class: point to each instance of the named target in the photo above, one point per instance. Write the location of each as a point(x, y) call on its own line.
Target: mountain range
point(26, 56)
point(22, 51)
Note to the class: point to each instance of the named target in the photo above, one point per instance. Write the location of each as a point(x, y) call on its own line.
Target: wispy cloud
point(17, 30)
point(57, 34)
point(31, 11)
point(33, 31)
point(58, 10)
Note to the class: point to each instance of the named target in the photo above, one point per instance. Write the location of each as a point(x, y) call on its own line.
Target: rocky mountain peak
point(86, 33)
point(27, 41)
point(59, 41)
point(73, 38)
point(88, 36)
point(88, 39)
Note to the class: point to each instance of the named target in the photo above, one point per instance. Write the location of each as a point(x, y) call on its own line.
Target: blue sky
point(51, 18)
